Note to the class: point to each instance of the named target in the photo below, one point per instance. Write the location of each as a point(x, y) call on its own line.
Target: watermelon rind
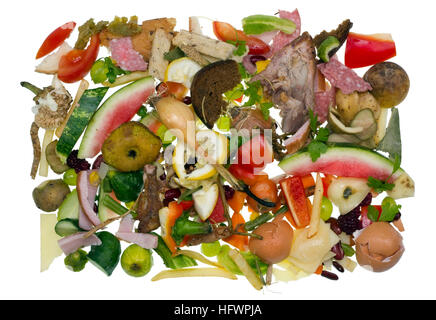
point(109, 115)
point(341, 160)
point(79, 119)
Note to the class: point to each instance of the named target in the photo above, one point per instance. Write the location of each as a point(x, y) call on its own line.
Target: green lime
point(136, 261)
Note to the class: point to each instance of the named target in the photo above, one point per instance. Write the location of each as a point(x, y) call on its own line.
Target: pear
point(404, 187)
point(348, 193)
point(205, 201)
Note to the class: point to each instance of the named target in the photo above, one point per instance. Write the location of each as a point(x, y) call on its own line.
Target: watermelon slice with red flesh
point(119, 108)
point(342, 161)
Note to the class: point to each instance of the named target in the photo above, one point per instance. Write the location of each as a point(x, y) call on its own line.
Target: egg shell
point(276, 243)
point(379, 247)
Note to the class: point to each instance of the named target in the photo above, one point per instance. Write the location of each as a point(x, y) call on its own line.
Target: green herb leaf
point(348, 250)
point(373, 213)
point(323, 134)
point(252, 92)
point(313, 121)
point(378, 185)
point(113, 70)
point(316, 148)
point(174, 54)
point(389, 209)
point(264, 107)
point(241, 47)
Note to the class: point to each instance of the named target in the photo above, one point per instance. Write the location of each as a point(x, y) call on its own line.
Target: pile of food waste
point(166, 150)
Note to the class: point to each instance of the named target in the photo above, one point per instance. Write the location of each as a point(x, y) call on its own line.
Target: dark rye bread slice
point(208, 86)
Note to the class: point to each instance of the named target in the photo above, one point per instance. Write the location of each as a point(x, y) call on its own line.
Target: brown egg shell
point(276, 243)
point(379, 247)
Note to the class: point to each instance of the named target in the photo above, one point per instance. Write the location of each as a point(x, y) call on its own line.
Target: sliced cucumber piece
point(69, 208)
point(107, 255)
point(67, 227)
point(365, 119)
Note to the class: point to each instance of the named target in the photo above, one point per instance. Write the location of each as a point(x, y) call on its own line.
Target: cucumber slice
point(365, 119)
point(327, 46)
point(107, 255)
point(69, 208)
point(104, 213)
point(67, 227)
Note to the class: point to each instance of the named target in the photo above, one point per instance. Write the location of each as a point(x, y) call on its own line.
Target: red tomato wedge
point(55, 39)
point(366, 50)
point(226, 32)
point(76, 64)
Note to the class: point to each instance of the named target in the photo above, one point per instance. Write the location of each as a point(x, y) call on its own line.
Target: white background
point(24, 26)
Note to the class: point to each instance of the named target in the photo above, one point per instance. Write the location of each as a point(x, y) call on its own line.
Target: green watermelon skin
point(78, 120)
point(119, 108)
point(343, 161)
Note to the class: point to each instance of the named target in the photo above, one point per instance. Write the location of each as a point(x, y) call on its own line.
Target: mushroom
point(379, 247)
point(52, 104)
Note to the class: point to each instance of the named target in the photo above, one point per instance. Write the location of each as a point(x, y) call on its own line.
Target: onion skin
point(177, 116)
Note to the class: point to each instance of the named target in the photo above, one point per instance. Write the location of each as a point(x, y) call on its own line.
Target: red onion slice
point(76, 241)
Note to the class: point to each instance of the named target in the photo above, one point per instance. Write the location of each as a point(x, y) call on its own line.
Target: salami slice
point(323, 101)
point(281, 39)
point(342, 77)
point(126, 57)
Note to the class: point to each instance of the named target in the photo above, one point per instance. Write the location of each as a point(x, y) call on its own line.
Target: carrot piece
point(326, 181)
point(308, 181)
point(236, 240)
point(288, 216)
point(319, 269)
point(237, 201)
point(175, 211)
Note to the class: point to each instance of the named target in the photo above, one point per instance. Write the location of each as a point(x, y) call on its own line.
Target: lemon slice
point(213, 146)
point(202, 173)
point(182, 70)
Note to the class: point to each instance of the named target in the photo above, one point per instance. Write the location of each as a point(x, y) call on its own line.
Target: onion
point(86, 193)
point(176, 116)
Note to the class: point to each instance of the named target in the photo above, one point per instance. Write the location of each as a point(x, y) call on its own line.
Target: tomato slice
point(76, 64)
point(55, 39)
point(366, 50)
point(226, 32)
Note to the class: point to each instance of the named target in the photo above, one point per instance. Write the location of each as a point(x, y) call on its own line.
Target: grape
point(210, 249)
point(99, 71)
point(326, 208)
point(70, 177)
point(224, 123)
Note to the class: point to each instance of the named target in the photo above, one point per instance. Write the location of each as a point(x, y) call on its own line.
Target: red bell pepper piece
point(226, 32)
point(366, 50)
point(186, 204)
point(76, 64)
point(55, 39)
point(293, 190)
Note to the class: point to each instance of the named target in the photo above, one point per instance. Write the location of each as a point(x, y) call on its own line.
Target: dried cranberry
point(167, 201)
point(77, 164)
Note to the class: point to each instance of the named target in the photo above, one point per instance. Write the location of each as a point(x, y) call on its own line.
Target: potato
point(348, 105)
point(50, 194)
point(390, 83)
